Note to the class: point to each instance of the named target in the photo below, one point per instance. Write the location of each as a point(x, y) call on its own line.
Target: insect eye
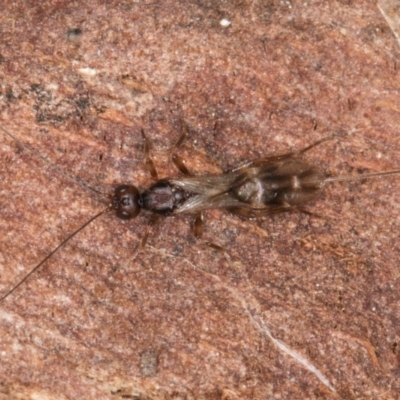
point(125, 201)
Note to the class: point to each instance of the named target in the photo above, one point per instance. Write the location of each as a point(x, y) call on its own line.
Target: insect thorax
point(163, 197)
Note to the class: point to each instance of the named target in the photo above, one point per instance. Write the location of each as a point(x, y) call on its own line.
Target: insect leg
point(153, 220)
point(176, 159)
point(149, 161)
point(304, 210)
point(198, 233)
point(270, 159)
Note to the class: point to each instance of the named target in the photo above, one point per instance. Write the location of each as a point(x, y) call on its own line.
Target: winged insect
point(265, 186)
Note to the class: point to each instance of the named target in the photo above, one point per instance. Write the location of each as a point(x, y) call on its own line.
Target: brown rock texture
point(299, 307)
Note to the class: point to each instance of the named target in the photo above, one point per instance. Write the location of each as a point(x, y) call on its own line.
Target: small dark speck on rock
point(74, 32)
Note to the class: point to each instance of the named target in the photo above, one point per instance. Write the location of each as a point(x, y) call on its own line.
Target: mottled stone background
point(300, 307)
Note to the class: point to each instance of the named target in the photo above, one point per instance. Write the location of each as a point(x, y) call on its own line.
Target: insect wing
point(254, 186)
point(208, 192)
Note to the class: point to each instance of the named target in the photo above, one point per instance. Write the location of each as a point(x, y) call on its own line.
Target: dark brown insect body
point(259, 188)
point(250, 191)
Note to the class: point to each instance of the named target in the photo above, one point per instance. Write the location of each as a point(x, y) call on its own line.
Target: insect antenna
point(70, 236)
point(345, 178)
point(57, 168)
point(27, 147)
